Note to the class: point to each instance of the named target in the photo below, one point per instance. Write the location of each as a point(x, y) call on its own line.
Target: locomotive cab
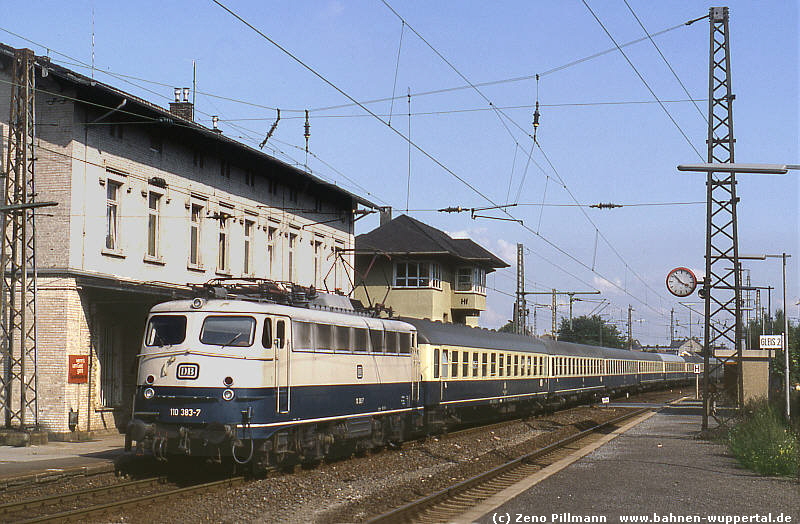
point(205, 369)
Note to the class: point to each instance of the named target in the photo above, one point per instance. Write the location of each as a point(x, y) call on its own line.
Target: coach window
point(484, 366)
point(359, 339)
point(391, 341)
point(436, 363)
point(454, 364)
point(445, 362)
point(341, 338)
point(516, 365)
point(405, 343)
point(303, 340)
point(508, 365)
point(376, 340)
point(500, 364)
point(475, 364)
point(493, 370)
point(266, 336)
point(465, 364)
point(323, 337)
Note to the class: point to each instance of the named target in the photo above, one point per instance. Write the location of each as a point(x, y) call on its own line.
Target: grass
point(762, 442)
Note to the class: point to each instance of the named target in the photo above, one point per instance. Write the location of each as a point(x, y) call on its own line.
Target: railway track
point(447, 504)
point(96, 502)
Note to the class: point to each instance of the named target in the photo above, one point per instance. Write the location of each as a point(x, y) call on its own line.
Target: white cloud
point(605, 286)
point(506, 250)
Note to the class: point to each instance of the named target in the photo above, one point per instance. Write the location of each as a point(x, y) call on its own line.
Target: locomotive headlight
point(197, 303)
point(227, 394)
point(228, 381)
point(150, 379)
point(149, 393)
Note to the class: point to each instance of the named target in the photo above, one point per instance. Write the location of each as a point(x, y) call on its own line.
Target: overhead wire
point(394, 130)
point(428, 155)
point(647, 85)
point(534, 141)
point(664, 58)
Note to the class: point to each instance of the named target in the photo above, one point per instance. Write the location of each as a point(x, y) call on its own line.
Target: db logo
point(187, 371)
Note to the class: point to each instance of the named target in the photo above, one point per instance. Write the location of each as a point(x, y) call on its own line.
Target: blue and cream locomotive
point(269, 383)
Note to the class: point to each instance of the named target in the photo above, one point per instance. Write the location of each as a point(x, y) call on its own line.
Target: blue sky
point(603, 137)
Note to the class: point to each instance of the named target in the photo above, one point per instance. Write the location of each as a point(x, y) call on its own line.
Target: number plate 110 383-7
point(184, 412)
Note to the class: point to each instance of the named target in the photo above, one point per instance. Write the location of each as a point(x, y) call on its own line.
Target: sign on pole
point(770, 341)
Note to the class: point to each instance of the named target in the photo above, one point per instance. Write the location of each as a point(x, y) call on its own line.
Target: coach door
point(281, 343)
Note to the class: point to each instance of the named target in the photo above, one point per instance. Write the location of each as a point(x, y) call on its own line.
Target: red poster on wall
point(78, 372)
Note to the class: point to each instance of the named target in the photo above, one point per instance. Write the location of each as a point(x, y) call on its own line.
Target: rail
point(406, 512)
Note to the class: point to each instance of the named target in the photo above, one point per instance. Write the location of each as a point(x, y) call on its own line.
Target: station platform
point(26, 465)
point(655, 471)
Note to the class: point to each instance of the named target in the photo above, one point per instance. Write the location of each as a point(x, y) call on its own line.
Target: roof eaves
point(86, 82)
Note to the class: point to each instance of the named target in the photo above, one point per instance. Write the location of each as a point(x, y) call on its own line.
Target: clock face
point(681, 282)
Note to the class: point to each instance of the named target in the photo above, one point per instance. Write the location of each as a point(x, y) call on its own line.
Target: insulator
point(536, 115)
point(307, 134)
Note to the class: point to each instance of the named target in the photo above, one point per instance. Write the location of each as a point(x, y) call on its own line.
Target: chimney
point(181, 107)
point(386, 214)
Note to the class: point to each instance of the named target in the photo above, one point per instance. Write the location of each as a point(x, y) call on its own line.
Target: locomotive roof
point(296, 313)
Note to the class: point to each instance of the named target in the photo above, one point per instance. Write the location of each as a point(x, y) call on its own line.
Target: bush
point(764, 443)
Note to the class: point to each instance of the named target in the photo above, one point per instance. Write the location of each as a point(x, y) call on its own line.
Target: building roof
point(105, 97)
point(407, 236)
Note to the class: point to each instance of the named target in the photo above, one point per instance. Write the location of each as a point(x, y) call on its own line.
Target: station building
point(421, 272)
point(149, 201)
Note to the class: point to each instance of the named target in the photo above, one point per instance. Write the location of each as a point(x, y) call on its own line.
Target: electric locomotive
point(287, 375)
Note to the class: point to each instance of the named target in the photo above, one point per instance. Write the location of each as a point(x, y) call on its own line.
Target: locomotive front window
point(228, 331)
point(165, 330)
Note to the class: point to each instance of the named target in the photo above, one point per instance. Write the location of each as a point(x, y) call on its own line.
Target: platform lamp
point(758, 169)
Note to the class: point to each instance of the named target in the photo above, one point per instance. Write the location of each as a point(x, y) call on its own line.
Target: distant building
point(684, 346)
point(148, 200)
point(421, 272)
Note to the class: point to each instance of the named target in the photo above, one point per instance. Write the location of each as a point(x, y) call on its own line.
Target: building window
point(248, 246)
point(471, 279)
point(271, 234)
point(272, 186)
point(223, 256)
point(153, 224)
point(317, 262)
point(198, 159)
point(195, 235)
point(112, 215)
point(293, 194)
point(292, 244)
point(418, 274)
point(224, 169)
point(250, 178)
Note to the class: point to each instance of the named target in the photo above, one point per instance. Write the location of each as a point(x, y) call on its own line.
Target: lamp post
point(783, 256)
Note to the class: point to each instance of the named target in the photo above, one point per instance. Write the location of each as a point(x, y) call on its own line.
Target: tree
point(507, 328)
point(593, 331)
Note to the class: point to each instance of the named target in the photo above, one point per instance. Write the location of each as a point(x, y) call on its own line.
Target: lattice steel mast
point(18, 383)
point(520, 306)
point(722, 286)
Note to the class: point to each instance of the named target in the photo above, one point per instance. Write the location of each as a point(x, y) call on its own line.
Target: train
point(275, 377)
